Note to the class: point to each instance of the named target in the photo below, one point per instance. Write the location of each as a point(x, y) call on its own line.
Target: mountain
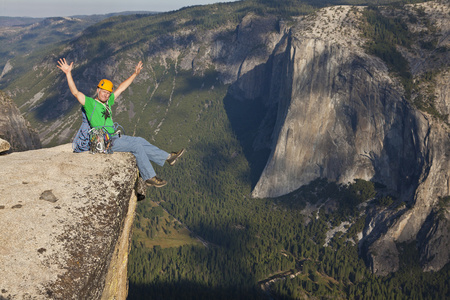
point(270, 101)
point(27, 38)
point(18, 21)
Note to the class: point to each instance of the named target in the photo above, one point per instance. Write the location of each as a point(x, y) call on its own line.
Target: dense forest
point(250, 241)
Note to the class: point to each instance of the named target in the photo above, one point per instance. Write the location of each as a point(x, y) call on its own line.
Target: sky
point(65, 8)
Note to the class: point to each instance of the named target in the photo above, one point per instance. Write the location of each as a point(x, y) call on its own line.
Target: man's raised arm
point(124, 85)
point(67, 69)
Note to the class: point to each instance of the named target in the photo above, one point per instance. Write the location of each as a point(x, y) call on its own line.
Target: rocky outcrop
point(14, 128)
point(66, 220)
point(4, 146)
point(434, 240)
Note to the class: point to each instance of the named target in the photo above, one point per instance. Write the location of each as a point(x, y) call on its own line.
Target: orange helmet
point(105, 84)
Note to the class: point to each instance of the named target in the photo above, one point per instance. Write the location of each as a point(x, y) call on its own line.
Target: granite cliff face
point(341, 115)
point(14, 128)
point(66, 222)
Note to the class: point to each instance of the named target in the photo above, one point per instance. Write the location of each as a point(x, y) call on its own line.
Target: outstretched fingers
point(139, 67)
point(62, 64)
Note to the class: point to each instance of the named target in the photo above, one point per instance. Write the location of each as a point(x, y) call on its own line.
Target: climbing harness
point(100, 140)
point(95, 139)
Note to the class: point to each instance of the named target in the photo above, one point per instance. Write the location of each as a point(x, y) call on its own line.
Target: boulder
point(66, 220)
point(4, 146)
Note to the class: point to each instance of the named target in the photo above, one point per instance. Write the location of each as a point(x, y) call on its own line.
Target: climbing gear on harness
point(105, 84)
point(100, 141)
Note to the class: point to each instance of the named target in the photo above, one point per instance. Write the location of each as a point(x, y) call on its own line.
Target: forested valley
point(203, 236)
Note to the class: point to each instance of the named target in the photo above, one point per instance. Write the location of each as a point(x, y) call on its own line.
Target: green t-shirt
point(100, 114)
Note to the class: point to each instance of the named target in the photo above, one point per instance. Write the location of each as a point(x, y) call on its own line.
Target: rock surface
point(62, 216)
point(14, 128)
point(4, 146)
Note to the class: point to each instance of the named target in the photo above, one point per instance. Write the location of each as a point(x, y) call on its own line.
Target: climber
point(99, 114)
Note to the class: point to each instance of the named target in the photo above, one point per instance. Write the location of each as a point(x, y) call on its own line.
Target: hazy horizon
point(67, 8)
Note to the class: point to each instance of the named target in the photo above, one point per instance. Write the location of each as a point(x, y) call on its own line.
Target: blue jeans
point(143, 151)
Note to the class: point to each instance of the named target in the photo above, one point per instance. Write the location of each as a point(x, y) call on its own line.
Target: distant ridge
point(18, 21)
point(6, 21)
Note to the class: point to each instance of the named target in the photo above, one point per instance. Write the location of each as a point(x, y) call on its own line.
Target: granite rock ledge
point(66, 222)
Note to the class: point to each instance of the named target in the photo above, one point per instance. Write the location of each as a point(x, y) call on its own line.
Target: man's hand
point(138, 68)
point(124, 85)
point(66, 68)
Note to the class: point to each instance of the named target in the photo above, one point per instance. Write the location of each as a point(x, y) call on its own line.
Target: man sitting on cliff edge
point(99, 114)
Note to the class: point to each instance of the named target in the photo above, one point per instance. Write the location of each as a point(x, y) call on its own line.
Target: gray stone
point(48, 196)
point(4, 145)
point(64, 251)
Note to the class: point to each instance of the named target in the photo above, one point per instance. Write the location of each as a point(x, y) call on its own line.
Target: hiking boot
point(156, 182)
point(174, 156)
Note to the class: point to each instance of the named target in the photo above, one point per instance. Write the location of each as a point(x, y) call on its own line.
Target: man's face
point(103, 95)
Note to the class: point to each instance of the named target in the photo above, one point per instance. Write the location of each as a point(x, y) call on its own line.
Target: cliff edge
point(66, 220)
